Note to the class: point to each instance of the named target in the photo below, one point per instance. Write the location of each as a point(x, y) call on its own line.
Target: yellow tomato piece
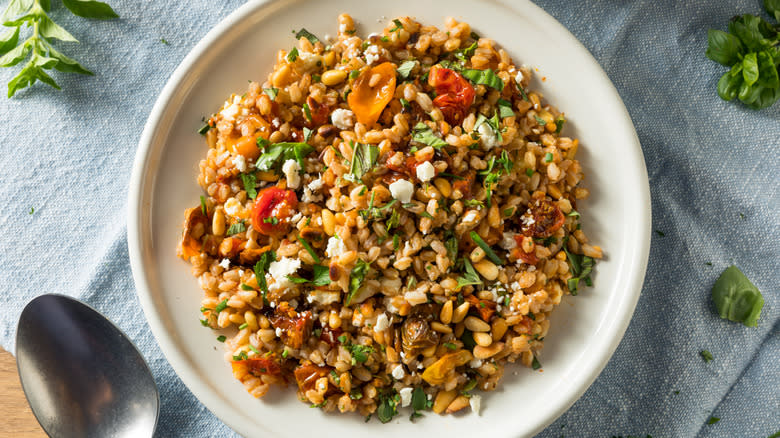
point(439, 372)
point(371, 92)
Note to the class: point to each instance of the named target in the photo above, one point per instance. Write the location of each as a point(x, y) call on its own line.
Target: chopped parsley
point(356, 277)
point(419, 403)
point(706, 355)
point(580, 267)
point(529, 172)
point(405, 104)
point(246, 287)
point(359, 353)
point(271, 92)
point(236, 228)
point(293, 55)
point(469, 277)
point(221, 306)
point(308, 35)
point(320, 276)
point(388, 406)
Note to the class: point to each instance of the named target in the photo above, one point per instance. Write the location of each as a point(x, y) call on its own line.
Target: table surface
point(19, 420)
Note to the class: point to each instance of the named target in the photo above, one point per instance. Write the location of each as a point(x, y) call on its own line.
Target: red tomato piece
point(547, 219)
point(272, 210)
point(319, 113)
point(454, 94)
point(331, 336)
point(259, 366)
point(295, 327)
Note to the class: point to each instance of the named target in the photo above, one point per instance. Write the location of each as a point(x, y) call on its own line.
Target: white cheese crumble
point(528, 218)
point(475, 363)
point(323, 297)
point(471, 216)
point(476, 403)
point(488, 136)
point(335, 247)
point(398, 372)
point(225, 263)
point(310, 60)
point(406, 396)
point(239, 162)
point(281, 269)
point(425, 171)
point(382, 323)
point(291, 169)
point(229, 114)
point(232, 207)
point(402, 190)
point(342, 118)
point(279, 332)
point(372, 54)
point(316, 184)
point(519, 77)
point(508, 241)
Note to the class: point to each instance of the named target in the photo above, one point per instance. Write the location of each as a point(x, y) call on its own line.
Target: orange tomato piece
point(370, 96)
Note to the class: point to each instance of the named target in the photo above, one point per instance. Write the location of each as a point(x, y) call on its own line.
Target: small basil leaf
point(484, 77)
point(50, 29)
point(773, 8)
point(736, 298)
point(9, 40)
point(16, 55)
point(90, 9)
point(67, 65)
point(728, 85)
point(723, 47)
point(750, 68)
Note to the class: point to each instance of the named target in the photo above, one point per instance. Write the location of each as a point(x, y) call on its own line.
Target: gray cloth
point(713, 177)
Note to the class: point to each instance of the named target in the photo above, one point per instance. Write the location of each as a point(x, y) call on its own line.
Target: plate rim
point(140, 180)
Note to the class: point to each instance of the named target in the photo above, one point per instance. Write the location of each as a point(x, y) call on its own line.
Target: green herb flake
point(405, 69)
point(559, 122)
point(309, 249)
point(660, 233)
point(164, 41)
point(246, 287)
point(221, 338)
point(356, 277)
point(405, 104)
point(450, 346)
point(241, 356)
point(204, 129)
point(202, 206)
point(236, 228)
point(529, 172)
point(388, 406)
point(485, 247)
point(271, 92)
point(713, 420)
point(221, 306)
point(484, 77)
point(260, 269)
point(422, 133)
point(307, 112)
point(396, 242)
point(505, 109)
point(548, 157)
point(32, 210)
point(307, 133)
point(398, 25)
point(736, 298)
point(308, 35)
point(204, 322)
point(243, 326)
point(364, 158)
point(540, 121)
point(535, 364)
point(469, 277)
point(277, 153)
point(293, 55)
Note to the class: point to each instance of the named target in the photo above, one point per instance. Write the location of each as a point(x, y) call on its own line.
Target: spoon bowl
point(81, 374)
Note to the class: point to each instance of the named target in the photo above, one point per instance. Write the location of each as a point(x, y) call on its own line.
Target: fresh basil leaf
point(464, 54)
point(67, 65)
point(308, 35)
point(14, 8)
point(271, 92)
point(422, 133)
point(50, 29)
point(364, 158)
point(750, 29)
point(484, 77)
point(276, 154)
point(505, 109)
point(773, 8)
point(728, 85)
point(356, 277)
point(16, 55)
point(736, 298)
point(90, 9)
point(321, 275)
point(767, 72)
point(250, 182)
point(236, 228)
point(723, 47)
point(9, 40)
point(405, 69)
point(419, 399)
point(27, 76)
point(750, 68)
point(293, 55)
point(387, 407)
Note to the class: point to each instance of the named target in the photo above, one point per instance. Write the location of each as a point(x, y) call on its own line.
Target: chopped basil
point(364, 158)
point(398, 25)
point(221, 338)
point(425, 214)
point(405, 104)
point(505, 109)
point(278, 153)
point(470, 277)
point(522, 92)
point(202, 206)
point(204, 322)
point(342, 339)
point(308, 35)
point(485, 247)
point(388, 406)
point(320, 276)
point(260, 267)
point(293, 55)
point(574, 213)
point(464, 54)
point(535, 364)
point(271, 92)
point(307, 111)
point(241, 356)
point(419, 403)
point(529, 172)
point(204, 129)
point(221, 306)
point(484, 77)
point(262, 143)
point(271, 220)
point(548, 157)
point(706, 355)
point(250, 182)
point(452, 248)
point(736, 298)
point(473, 203)
point(396, 242)
point(246, 287)
point(468, 340)
point(580, 267)
point(359, 353)
point(508, 212)
point(243, 326)
point(450, 345)
point(309, 249)
point(356, 277)
point(307, 133)
point(424, 134)
point(405, 69)
point(713, 420)
point(236, 228)
point(540, 121)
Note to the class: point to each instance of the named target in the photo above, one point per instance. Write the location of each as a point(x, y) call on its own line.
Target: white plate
point(585, 329)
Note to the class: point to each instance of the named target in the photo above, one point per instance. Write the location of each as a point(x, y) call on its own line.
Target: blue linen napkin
point(713, 170)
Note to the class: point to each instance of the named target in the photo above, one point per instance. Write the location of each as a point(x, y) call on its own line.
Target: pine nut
point(441, 328)
point(487, 269)
point(460, 313)
point(443, 399)
point(446, 313)
point(499, 328)
point(476, 325)
point(483, 339)
point(333, 77)
point(481, 352)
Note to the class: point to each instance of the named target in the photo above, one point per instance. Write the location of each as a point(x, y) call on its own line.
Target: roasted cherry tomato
point(454, 94)
point(547, 219)
point(331, 336)
point(319, 113)
point(272, 210)
point(370, 96)
point(486, 308)
point(465, 183)
point(295, 327)
point(257, 366)
point(307, 375)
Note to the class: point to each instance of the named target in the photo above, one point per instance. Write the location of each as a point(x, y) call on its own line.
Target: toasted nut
point(481, 352)
point(460, 312)
point(487, 269)
point(441, 328)
point(333, 77)
point(443, 399)
point(476, 325)
point(459, 403)
point(446, 313)
point(218, 223)
point(483, 339)
point(499, 328)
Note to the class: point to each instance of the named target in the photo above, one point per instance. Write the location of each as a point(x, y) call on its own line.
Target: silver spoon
point(82, 376)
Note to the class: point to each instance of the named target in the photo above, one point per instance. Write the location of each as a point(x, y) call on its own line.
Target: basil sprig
point(751, 48)
point(38, 47)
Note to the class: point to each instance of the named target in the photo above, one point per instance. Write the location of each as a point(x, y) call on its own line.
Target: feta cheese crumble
point(476, 403)
point(225, 263)
point(342, 118)
point(406, 396)
point(402, 190)
point(488, 136)
point(425, 171)
point(291, 169)
point(239, 162)
point(508, 241)
point(398, 372)
point(335, 247)
point(372, 54)
point(382, 323)
point(281, 269)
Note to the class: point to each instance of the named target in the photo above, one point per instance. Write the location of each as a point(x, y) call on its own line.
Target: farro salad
point(387, 222)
